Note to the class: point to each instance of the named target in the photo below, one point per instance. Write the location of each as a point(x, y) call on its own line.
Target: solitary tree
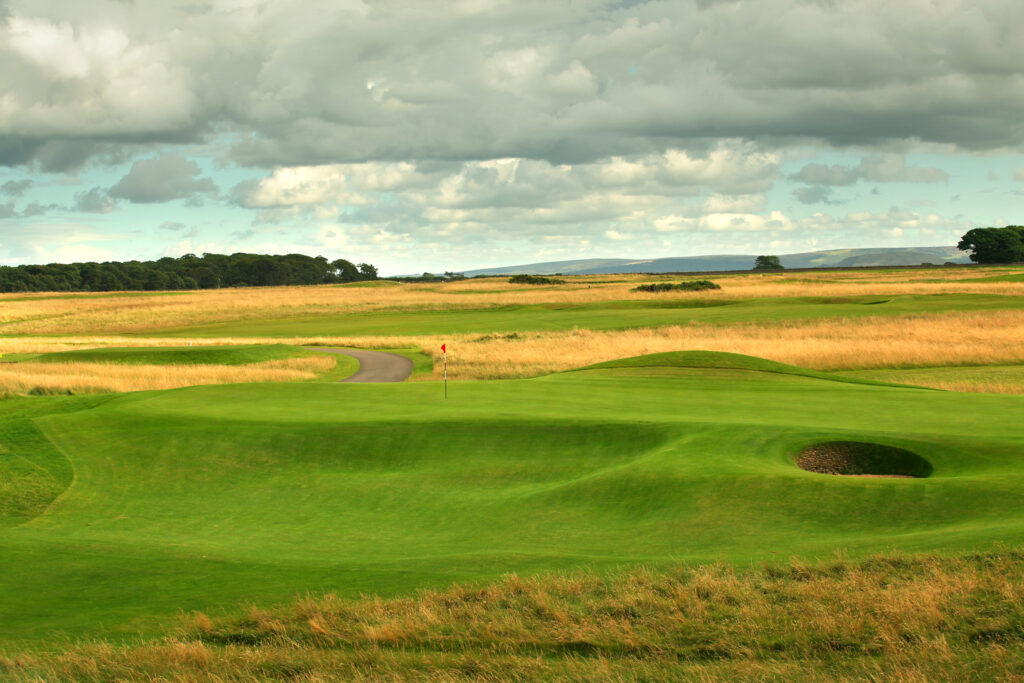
point(767, 263)
point(994, 245)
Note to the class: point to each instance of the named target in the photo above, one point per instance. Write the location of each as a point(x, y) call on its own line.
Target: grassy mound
point(858, 458)
point(180, 355)
point(721, 360)
point(884, 618)
point(33, 473)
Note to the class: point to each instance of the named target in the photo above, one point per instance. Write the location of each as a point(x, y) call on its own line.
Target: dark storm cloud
point(327, 81)
point(162, 179)
point(15, 151)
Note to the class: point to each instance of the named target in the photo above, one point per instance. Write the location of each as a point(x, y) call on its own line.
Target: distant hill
point(898, 256)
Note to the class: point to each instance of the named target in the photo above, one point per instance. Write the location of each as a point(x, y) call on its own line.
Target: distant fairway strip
point(375, 366)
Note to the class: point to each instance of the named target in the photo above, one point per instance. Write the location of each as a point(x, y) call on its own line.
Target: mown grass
point(890, 617)
point(242, 354)
point(600, 315)
point(206, 497)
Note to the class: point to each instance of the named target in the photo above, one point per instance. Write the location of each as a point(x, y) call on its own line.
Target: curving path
point(374, 366)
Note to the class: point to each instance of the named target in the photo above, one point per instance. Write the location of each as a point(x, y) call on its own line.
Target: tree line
point(209, 271)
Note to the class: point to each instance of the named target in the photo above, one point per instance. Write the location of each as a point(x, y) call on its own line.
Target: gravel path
point(374, 366)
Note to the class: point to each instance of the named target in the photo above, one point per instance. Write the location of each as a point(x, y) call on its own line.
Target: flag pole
point(444, 349)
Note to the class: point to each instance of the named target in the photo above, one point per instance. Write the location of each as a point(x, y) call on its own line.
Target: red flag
point(443, 349)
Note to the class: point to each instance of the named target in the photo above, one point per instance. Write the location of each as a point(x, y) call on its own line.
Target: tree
point(767, 263)
point(994, 245)
point(345, 271)
point(367, 272)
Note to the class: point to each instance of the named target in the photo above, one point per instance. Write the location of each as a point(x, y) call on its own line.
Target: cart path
point(374, 366)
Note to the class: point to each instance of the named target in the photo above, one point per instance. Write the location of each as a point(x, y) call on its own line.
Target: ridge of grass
point(33, 473)
point(722, 360)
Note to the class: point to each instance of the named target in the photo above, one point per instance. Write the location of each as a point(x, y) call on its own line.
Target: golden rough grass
point(112, 314)
point(975, 386)
point(975, 338)
point(20, 378)
point(896, 618)
point(989, 379)
point(959, 338)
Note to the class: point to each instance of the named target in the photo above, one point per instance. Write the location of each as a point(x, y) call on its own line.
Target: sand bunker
point(856, 458)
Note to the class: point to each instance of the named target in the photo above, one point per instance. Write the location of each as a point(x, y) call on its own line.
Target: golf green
point(138, 506)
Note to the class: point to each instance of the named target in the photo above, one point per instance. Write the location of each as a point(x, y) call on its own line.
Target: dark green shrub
point(688, 286)
point(534, 280)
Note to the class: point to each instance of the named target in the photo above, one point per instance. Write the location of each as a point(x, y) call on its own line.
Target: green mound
point(862, 459)
point(721, 360)
point(180, 355)
point(33, 473)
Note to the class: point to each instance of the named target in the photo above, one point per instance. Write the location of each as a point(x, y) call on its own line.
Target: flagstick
point(446, 374)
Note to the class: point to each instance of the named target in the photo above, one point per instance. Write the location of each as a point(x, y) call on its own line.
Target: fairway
point(611, 315)
point(142, 505)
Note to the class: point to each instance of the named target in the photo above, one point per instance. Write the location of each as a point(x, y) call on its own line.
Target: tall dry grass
point(891, 617)
point(973, 338)
point(105, 314)
point(78, 378)
point(977, 338)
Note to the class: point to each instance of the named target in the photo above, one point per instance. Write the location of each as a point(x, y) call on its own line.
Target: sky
point(445, 136)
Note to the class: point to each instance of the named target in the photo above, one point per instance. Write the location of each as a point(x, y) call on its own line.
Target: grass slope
point(722, 361)
point(207, 497)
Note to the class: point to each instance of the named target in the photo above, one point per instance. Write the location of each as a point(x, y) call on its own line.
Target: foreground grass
point(895, 617)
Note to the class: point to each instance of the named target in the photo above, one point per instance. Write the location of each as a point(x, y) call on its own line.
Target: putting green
point(208, 497)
